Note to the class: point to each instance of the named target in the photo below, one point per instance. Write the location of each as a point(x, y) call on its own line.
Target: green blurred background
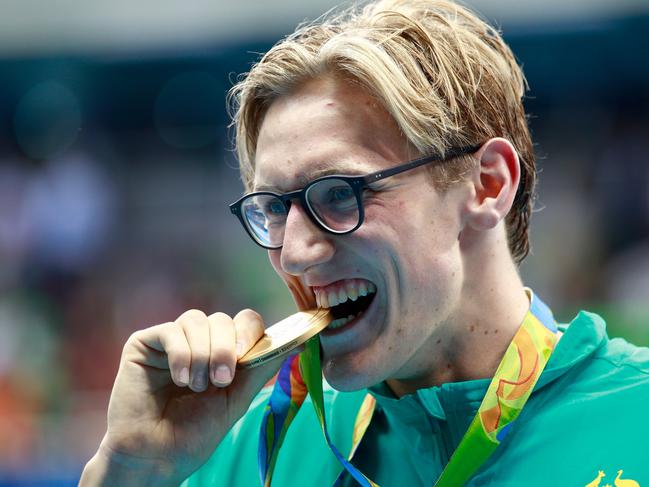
point(116, 170)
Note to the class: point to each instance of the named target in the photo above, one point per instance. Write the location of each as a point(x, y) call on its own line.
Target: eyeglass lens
point(332, 202)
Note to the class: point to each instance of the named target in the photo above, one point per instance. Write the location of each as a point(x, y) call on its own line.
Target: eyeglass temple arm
point(449, 154)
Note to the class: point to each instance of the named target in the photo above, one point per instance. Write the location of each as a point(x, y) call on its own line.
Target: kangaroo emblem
point(618, 481)
point(598, 479)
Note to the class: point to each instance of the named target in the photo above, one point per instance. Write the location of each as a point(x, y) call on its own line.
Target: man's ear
point(494, 183)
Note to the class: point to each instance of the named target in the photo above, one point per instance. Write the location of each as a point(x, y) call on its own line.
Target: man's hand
point(176, 395)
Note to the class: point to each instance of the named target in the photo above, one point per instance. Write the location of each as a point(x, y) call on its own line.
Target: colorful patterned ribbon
point(285, 401)
point(513, 382)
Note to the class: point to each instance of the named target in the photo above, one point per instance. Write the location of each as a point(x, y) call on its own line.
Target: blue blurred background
point(116, 169)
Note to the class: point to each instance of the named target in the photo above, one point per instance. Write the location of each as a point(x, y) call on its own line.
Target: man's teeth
point(339, 293)
point(341, 321)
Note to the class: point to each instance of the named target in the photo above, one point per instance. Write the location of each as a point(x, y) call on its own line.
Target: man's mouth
point(346, 300)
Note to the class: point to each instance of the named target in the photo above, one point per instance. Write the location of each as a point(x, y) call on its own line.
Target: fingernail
point(184, 376)
point(222, 374)
point(239, 348)
point(199, 382)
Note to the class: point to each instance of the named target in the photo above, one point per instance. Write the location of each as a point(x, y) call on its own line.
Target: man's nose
point(305, 245)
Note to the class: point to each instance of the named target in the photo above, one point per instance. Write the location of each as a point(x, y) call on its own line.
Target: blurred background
point(116, 170)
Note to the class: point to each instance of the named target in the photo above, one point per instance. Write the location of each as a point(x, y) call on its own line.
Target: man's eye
point(275, 208)
point(337, 195)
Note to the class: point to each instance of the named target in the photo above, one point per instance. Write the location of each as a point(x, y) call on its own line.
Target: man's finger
point(195, 325)
point(222, 350)
point(175, 345)
point(249, 327)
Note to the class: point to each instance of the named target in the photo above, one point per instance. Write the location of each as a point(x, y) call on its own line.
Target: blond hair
point(444, 75)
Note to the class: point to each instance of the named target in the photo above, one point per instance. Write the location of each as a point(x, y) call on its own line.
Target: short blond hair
point(444, 75)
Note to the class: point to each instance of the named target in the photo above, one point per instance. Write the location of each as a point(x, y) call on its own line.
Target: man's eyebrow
point(305, 179)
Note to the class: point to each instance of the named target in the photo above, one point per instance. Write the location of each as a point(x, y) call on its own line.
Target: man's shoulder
point(613, 360)
point(589, 417)
point(621, 354)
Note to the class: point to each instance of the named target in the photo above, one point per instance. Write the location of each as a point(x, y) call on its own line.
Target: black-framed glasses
point(333, 203)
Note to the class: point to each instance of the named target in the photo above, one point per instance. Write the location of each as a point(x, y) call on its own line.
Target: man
point(433, 249)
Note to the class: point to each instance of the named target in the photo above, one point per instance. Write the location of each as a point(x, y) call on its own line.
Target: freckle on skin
point(495, 331)
point(472, 329)
point(486, 332)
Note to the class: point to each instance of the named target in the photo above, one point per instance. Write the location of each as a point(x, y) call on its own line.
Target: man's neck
point(471, 344)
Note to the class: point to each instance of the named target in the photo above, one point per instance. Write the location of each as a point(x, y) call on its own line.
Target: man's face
point(407, 249)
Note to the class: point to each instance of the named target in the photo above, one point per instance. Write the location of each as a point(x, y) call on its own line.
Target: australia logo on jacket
point(618, 482)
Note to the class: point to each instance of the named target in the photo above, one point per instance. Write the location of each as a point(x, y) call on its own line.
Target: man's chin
point(348, 379)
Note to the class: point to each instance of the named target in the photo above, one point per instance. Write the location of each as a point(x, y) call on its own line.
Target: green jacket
point(589, 412)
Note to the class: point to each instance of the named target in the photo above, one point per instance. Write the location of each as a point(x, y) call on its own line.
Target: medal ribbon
point(285, 401)
point(511, 386)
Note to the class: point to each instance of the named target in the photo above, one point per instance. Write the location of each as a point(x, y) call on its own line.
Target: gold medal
point(285, 336)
